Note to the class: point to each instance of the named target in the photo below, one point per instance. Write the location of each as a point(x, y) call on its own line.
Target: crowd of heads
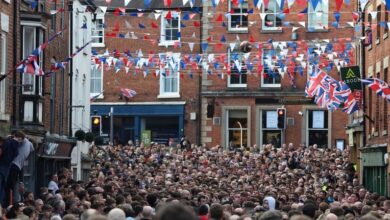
point(188, 182)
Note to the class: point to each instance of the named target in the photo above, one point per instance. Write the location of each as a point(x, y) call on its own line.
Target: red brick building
point(147, 50)
point(244, 103)
point(36, 104)
point(375, 64)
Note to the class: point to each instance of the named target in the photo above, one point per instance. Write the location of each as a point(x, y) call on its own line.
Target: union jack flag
point(379, 86)
point(128, 93)
point(330, 93)
point(31, 66)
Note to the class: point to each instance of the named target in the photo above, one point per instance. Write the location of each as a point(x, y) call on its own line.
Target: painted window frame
point(243, 7)
point(275, 13)
point(163, 28)
point(269, 85)
point(97, 94)
point(327, 126)
point(244, 71)
point(162, 90)
point(97, 29)
point(324, 10)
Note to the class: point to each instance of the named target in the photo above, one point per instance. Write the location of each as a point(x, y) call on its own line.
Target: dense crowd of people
point(189, 182)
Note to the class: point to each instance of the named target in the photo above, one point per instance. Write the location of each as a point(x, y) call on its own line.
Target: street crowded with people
point(204, 182)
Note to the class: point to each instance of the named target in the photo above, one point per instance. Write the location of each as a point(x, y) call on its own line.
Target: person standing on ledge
point(24, 150)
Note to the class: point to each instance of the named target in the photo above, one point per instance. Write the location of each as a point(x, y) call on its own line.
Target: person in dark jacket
point(8, 152)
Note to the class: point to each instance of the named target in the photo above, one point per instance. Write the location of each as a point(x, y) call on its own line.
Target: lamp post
point(239, 124)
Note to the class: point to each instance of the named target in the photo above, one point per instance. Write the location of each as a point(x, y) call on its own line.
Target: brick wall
point(147, 88)
point(7, 9)
point(214, 84)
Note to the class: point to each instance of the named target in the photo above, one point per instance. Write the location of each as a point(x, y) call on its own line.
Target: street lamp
point(239, 124)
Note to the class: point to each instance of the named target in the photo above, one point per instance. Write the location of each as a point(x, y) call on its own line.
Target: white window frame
point(25, 55)
point(95, 93)
point(326, 123)
point(262, 129)
point(268, 85)
point(238, 29)
point(163, 93)
point(228, 129)
point(163, 40)
point(324, 15)
point(3, 71)
point(96, 29)
point(275, 14)
point(237, 85)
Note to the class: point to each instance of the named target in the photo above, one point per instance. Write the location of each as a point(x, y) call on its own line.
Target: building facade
point(240, 102)
point(146, 51)
point(374, 153)
point(38, 105)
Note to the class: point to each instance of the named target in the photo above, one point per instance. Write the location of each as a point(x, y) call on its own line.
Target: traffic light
point(281, 118)
point(96, 121)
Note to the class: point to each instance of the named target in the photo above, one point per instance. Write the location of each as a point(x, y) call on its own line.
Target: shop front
point(163, 122)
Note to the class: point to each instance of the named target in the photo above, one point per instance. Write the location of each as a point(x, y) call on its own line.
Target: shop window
point(237, 127)
point(317, 130)
point(270, 132)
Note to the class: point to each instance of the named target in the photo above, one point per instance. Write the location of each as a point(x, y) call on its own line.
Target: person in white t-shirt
point(53, 184)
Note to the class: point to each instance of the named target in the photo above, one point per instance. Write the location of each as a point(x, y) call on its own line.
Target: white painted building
point(81, 79)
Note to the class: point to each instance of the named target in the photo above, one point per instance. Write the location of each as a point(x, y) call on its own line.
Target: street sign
point(351, 76)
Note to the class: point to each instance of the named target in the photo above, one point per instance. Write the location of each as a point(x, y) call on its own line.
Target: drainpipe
point(363, 70)
point(199, 132)
point(15, 57)
point(70, 109)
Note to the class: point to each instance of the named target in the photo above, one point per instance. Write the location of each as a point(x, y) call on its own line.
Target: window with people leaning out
point(317, 130)
point(238, 19)
point(272, 19)
point(237, 126)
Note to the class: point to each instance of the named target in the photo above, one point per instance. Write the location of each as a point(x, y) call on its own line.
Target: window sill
point(168, 96)
point(237, 86)
point(167, 43)
point(385, 36)
point(276, 86)
point(369, 47)
point(4, 117)
point(384, 133)
point(92, 95)
point(264, 31)
point(98, 45)
point(378, 41)
point(238, 31)
point(313, 30)
point(376, 134)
